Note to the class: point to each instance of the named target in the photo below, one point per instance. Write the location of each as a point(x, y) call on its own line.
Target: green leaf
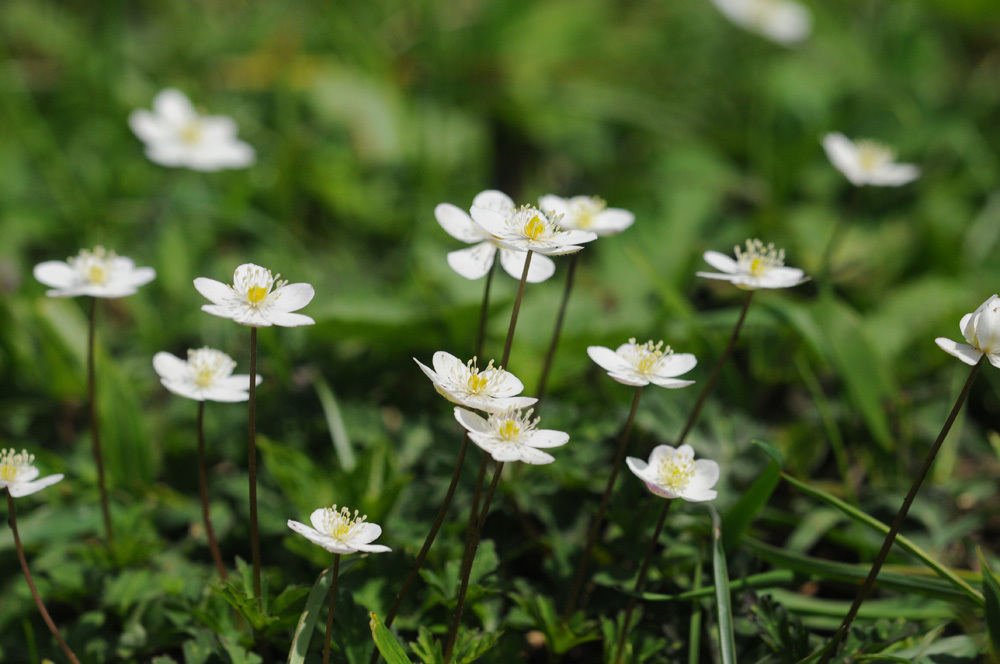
point(991, 593)
point(307, 621)
point(904, 543)
point(772, 579)
point(560, 636)
point(335, 423)
point(386, 642)
point(720, 574)
point(742, 513)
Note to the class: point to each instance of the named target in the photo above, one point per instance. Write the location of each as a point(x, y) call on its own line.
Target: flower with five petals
point(642, 364)
point(489, 389)
point(97, 273)
point(587, 213)
point(981, 329)
point(339, 532)
point(673, 473)
point(18, 473)
point(759, 266)
point(511, 435)
point(207, 375)
point(251, 300)
point(529, 229)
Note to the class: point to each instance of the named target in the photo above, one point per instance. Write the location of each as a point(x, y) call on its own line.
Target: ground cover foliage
point(365, 116)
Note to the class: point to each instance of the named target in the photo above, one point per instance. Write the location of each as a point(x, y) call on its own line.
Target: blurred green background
point(364, 116)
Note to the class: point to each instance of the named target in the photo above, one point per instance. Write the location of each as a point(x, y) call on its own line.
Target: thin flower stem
point(254, 533)
point(95, 434)
point(467, 560)
point(484, 310)
point(640, 581)
point(203, 490)
point(595, 527)
point(329, 615)
point(31, 583)
point(554, 343)
point(897, 523)
point(727, 351)
point(515, 310)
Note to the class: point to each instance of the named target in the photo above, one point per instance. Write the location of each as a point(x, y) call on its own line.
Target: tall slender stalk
point(897, 523)
point(554, 343)
point(31, 583)
point(726, 352)
point(640, 581)
point(484, 309)
point(203, 490)
point(95, 434)
point(475, 520)
point(595, 527)
point(254, 533)
point(329, 615)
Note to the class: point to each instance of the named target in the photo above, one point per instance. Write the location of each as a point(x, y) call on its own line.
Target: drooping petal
point(670, 383)
point(964, 352)
point(372, 548)
point(311, 534)
point(285, 319)
point(535, 457)
point(292, 297)
point(541, 268)
point(629, 377)
point(457, 223)
point(474, 262)
point(894, 175)
point(19, 489)
point(503, 452)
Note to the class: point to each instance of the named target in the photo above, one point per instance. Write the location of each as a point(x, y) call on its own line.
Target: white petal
point(215, 291)
point(994, 359)
point(661, 451)
point(629, 377)
point(490, 221)
point(313, 535)
point(706, 474)
point(239, 382)
point(576, 237)
point(698, 495)
point(222, 311)
point(547, 438)
point(720, 262)
point(964, 352)
point(364, 533)
point(670, 383)
point(964, 325)
point(607, 359)
point(541, 268)
point(150, 128)
point(372, 548)
point(661, 490)
point(493, 404)
point(169, 366)
point(217, 128)
point(474, 262)
point(843, 154)
point(168, 154)
point(315, 518)
point(535, 457)
point(788, 23)
point(185, 388)
point(445, 363)
point(553, 204)
point(28, 474)
point(140, 276)
point(503, 452)
point(56, 274)
point(173, 106)
point(781, 277)
point(894, 175)
point(472, 422)
point(291, 297)
point(636, 465)
point(285, 319)
point(677, 364)
point(18, 489)
point(718, 275)
point(457, 223)
point(491, 199)
point(612, 220)
point(508, 386)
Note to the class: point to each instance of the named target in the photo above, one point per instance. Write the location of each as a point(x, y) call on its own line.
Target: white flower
point(339, 532)
point(17, 474)
point(528, 228)
point(758, 266)
point(673, 473)
point(642, 364)
point(511, 435)
point(175, 135)
point(96, 273)
point(491, 389)
point(867, 162)
point(475, 262)
point(782, 21)
point(587, 213)
point(981, 329)
point(207, 375)
point(250, 300)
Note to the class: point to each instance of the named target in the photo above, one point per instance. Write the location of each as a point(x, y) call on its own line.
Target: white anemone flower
point(175, 135)
point(339, 532)
point(529, 229)
point(673, 473)
point(97, 273)
point(782, 21)
point(758, 266)
point(250, 300)
point(642, 364)
point(207, 375)
point(587, 213)
point(511, 435)
point(18, 473)
point(475, 262)
point(489, 389)
point(866, 162)
point(981, 329)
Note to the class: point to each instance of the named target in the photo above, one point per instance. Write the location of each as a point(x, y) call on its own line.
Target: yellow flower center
point(93, 266)
point(583, 211)
point(256, 294)
point(191, 133)
point(12, 463)
point(479, 381)
point(758, 259)
point(534, 228)
point(96, 274)
point(676, 471)
point(255, 285)
point(339, 524)
point(647, 357)
point(871, 155)
point(510, 429)
point(209, 366)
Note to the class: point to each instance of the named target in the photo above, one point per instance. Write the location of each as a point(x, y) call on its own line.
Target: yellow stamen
point(676, 470)
point(534, 228)
point(191, 133)
point(510, 429)
point(256, 294)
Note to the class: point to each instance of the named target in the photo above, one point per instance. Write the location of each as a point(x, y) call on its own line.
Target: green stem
point(329, 615)
point(95, 434)
point(203, 490)
point(595, 528)
point(514, 311)
point(727, 351)
point(554, 343)
point(31, 583)
point(897, 523)
point(254, 532)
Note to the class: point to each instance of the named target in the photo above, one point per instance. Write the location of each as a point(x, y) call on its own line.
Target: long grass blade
point(727, 645)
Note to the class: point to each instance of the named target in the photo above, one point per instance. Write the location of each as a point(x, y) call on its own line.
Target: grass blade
point(307, 621)
point(720, 573)
point(991, 589)
point(334, 421)
point(386, 642)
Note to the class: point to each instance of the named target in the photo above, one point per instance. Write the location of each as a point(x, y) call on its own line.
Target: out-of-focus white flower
point(475, 262)
point(18, 473)
point(511, 435)
point(529, 229)
point(175, 135)
point(490, 389)
point(97, 273)
point(782, 21)
point(250, 300)
point(673, 473)
point(981, 329)
point(867, 162)
point(642, 364)
point(207, 375)
point(587, 213)
point(339, 532)
point(758, 266)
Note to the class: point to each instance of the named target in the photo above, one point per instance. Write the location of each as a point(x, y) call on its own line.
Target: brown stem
point(203, 490)
point(727, 351)
point(595, 528)
point(515, 310)
point(554, 343)
point(329, 615)
point(485, 308)
point(897, 523)
point(467, 560)
point(31, 583)
point(254, 533)
point(95, 434)
point(640, 581)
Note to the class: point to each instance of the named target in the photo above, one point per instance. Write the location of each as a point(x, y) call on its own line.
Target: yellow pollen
point(339, 524)
point(191, 133)
point(477, 382)
point(758, 259)
point(96, 274)
point(676, 471)
point(509, 430)
point(256, 294)
point(11, 463)
point(534, 228)
point(872, 155)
